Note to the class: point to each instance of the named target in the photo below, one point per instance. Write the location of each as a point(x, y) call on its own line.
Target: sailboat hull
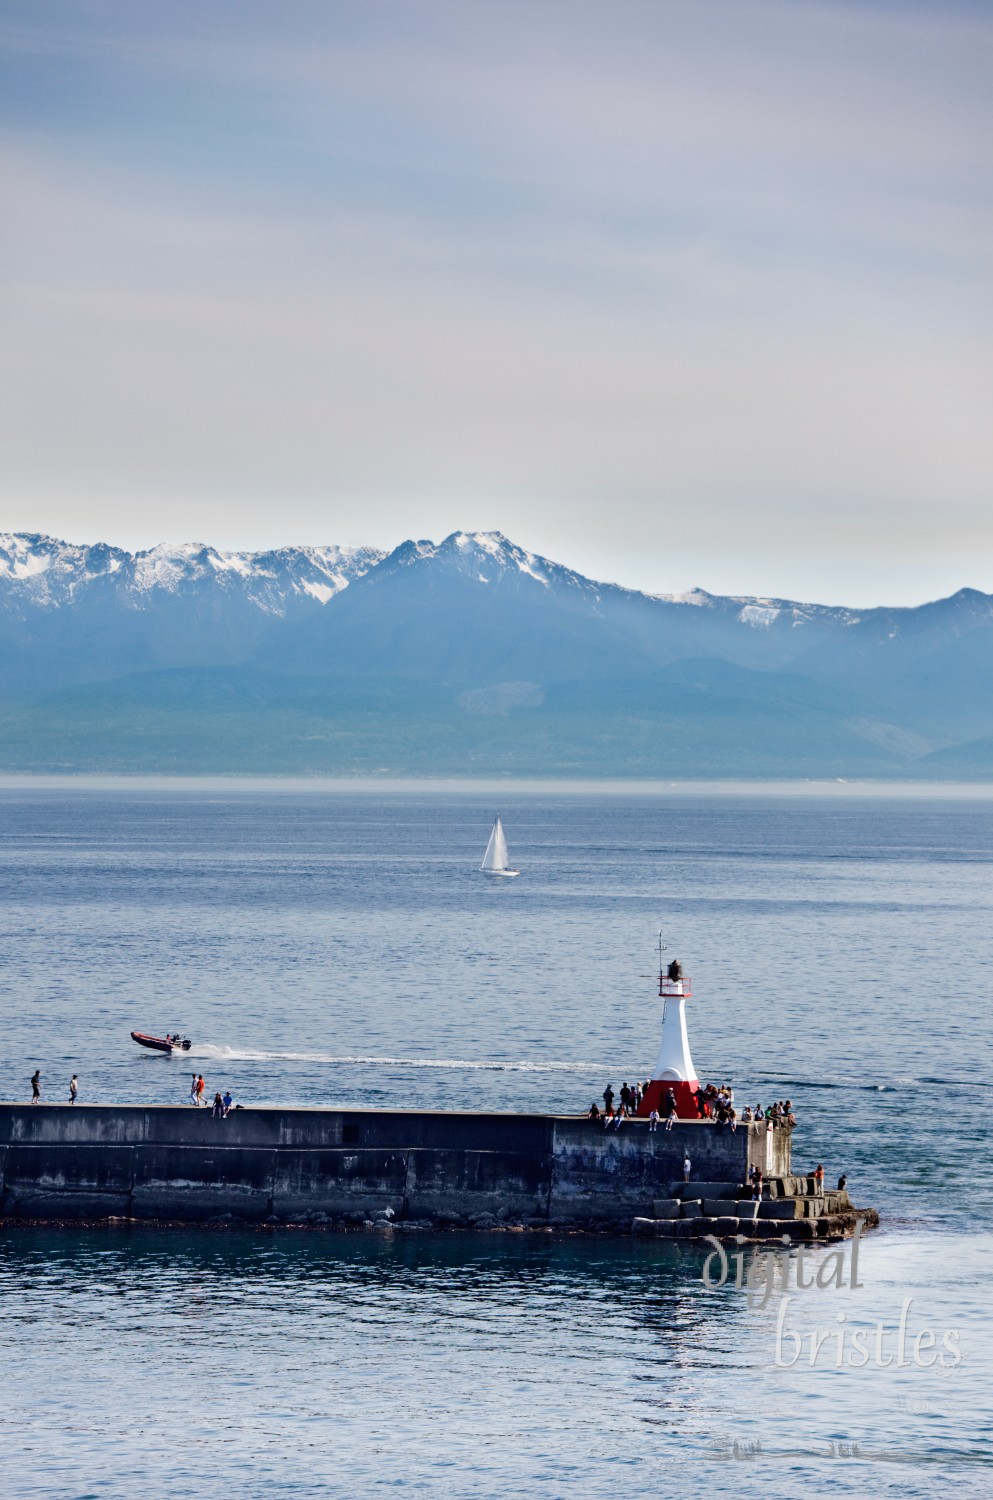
point(502, 874)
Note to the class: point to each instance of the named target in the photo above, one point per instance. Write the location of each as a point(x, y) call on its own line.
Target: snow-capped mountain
point(42, 571)
point(342, 658)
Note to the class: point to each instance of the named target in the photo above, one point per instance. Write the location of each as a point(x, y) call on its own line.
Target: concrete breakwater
point(176, 1163)
point(793, 1208)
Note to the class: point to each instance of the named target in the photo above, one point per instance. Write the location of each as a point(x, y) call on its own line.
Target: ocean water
point(340, 947)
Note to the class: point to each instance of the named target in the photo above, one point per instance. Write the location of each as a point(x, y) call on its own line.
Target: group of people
point(710, 1103)
point(628, 1104)
point(713, 1103)
point(779, 1113)
point(36, 1087)
point(221, 1106)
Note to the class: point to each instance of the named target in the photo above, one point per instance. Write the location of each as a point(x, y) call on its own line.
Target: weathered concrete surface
point(180, 1163)
point(791, 1209)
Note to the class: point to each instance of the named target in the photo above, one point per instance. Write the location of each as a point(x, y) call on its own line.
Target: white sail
point(496, 860)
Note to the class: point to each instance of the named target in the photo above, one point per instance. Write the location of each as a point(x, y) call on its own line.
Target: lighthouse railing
point(670, 988)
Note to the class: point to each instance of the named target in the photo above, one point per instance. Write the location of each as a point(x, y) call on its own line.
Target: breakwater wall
point(175, 1163)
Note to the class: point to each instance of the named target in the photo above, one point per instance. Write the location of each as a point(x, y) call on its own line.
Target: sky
point(678, 294)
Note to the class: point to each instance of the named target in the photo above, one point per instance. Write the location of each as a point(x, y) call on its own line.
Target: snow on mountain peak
point(41, 570)
point(760, 614)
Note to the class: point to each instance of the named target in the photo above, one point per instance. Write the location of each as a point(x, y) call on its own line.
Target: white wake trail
point(248, 1054)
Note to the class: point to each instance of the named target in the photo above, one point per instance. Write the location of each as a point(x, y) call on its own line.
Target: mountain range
point(469, 656)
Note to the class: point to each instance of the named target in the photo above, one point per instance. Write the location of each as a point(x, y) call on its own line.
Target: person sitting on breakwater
point(607, 1117)
point(620, 1115)
point(755, 1178)
point(594, 1113)
point(746, 1115)
point(218, 1109)
point(790, 1118)
point(653, 1122)
point(227, 1101)
point(842, 1182)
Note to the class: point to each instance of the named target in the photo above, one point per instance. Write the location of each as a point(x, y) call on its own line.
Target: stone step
point(727, 1227)
point(706, 1189)
point(742, 1208)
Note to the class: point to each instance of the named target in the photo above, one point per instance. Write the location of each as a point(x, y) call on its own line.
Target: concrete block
point(667, 1229)
point(666, 1208)
point(801, 1229)
point(836, 1201)
point(702, 1189)
point(781, 1208)
point(720, 1207)
point(747, 1209)
point(770, 1229)
point(690, 1208)
point(724, 1224)
point(642, 1228)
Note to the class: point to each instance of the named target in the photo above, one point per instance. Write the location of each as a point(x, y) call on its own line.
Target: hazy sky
point(676, 293)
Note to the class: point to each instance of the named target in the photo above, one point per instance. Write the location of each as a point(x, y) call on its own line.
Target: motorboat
point(162, 1043)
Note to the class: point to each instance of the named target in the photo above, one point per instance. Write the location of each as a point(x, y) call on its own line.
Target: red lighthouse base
point(655, 1095)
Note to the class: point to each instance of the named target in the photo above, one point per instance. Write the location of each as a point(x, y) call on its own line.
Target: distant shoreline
point(491, 785)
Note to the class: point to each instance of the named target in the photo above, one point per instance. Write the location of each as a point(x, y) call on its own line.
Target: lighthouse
point(674, 1069)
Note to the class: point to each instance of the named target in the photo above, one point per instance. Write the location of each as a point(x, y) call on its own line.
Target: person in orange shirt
point(200, 1088)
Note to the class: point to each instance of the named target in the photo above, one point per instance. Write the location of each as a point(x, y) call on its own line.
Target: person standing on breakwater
point(200, 1088)
point(36, 1086)
point(73, 1088)
point(819, 1178)
point(193, 1088)
point(608, 1099)
point(687, 1168)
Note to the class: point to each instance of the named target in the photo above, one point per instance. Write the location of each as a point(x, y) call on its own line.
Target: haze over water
point(341, 948)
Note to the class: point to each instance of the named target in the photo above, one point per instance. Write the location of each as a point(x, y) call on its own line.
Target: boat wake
point(331, 1059)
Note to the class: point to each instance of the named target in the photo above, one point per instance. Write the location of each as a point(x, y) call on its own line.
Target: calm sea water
point(341, 948)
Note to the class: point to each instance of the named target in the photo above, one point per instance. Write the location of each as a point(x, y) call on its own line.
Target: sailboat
point(496, 860)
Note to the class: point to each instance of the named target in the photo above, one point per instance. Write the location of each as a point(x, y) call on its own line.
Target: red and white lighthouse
point(674, 1069)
